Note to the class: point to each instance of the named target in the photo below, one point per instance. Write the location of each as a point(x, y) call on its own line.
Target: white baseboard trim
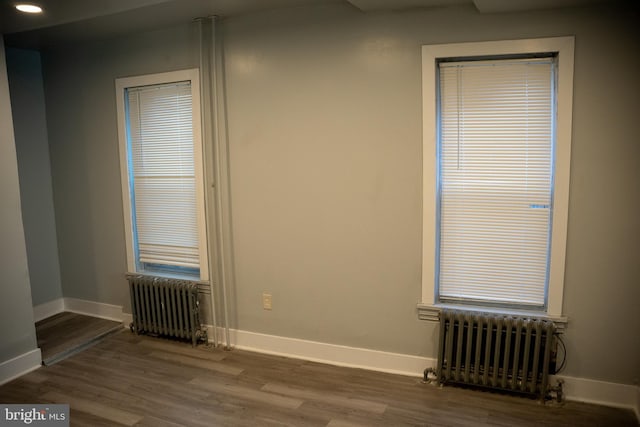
point(95, 309)
point(20, 365)
point(339, 355)
point(48, 309)
point(80, 306)
point(601, 392)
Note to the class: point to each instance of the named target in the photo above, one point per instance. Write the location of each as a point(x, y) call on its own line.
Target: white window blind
point(495, 180)
point(162, 174)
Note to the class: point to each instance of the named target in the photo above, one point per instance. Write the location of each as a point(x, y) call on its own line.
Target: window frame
point(122, 84)
point(563, 47)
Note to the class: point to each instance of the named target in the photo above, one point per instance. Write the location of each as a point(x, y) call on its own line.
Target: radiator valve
point(429, 376)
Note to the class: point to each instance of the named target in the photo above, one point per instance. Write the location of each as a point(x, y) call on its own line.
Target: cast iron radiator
point(496, 351)
point(166, 307)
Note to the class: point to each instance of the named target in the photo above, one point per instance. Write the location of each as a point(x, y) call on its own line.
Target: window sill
point(431, 312)
point(170, 276)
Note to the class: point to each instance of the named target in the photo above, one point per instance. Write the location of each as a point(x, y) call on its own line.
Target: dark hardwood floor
point(64, 334)
point(130, 380)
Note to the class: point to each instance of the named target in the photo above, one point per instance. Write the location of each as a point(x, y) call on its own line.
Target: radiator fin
point(497, 351)
point(166, 307)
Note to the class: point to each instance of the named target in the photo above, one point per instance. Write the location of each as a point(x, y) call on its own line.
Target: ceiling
point(68, 20)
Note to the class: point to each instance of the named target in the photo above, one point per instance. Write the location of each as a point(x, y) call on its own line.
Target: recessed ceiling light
point(29, 8)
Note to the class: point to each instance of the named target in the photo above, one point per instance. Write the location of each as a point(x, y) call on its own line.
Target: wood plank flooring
point(135, 380)
point(67, 333)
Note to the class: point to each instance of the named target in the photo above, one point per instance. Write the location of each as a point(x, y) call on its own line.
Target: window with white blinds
point(496, 162)
point(495, 180)
point(164, 183)
point(163, 174)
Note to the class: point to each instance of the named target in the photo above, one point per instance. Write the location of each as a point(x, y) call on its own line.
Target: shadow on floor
point(65, 334)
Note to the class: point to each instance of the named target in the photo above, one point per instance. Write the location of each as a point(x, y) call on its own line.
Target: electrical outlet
point(266, 301)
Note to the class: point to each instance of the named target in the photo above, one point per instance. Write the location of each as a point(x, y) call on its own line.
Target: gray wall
point(17, 331)
point(32, 149)
point(82, 127)
point(324, 109)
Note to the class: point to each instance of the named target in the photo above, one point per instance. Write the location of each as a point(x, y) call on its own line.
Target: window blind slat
point(495, 164)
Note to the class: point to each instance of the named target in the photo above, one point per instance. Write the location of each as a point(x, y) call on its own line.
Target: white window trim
point(152, 79)
point(429, 309)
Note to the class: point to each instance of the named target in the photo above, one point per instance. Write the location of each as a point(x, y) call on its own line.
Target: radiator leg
point(558, 391)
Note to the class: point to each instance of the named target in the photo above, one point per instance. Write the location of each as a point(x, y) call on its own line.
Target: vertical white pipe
point(217, 86)
point(205, 101)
